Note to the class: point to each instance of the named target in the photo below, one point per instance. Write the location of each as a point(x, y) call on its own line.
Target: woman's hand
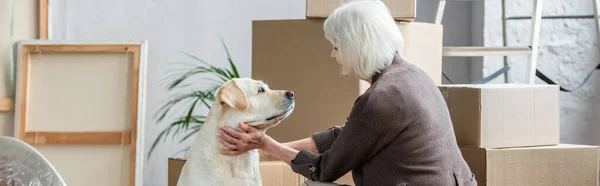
point(240, 142)
point(252, 138)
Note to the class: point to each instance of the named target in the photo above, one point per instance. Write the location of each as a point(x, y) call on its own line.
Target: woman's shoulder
point(374, 101)
point(377, 109)
point(396, 91)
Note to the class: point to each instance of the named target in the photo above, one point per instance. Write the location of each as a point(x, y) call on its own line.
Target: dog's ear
point(232, 95)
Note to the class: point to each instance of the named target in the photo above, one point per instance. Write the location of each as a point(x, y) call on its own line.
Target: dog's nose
point(289, 94)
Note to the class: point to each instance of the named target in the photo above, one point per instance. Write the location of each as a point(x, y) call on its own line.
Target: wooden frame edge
point(6, 104)
point(22, 86)
point(43, 14)
point(137, 49)
point(60, 48)
point(134, 113)
point(78, 138)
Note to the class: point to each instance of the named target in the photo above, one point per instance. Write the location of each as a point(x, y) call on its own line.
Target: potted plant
point(188, 124)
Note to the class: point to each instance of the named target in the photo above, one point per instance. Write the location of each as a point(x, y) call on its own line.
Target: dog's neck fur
point(207, 147)
point(217, 117)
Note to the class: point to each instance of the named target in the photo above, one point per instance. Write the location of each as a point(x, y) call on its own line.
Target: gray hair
point(366, 36)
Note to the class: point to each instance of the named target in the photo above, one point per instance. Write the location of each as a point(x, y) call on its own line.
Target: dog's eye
point(261, 90)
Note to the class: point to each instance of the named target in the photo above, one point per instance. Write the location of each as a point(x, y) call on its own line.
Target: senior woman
point(398, 132)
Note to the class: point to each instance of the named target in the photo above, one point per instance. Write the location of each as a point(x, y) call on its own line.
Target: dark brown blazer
point(398, 133)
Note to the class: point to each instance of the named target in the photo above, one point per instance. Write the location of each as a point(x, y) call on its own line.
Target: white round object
point(23, 165)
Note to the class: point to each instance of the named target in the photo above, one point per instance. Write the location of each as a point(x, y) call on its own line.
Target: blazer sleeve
point(324, 140)
point(355, 144)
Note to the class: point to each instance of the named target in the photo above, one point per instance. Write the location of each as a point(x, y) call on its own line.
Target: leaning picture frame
point(38, 123)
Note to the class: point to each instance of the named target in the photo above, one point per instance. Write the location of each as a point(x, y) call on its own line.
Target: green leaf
point(196, 71)
point(197, 59)
point(177, 126)
point(214, 68)
point(190, 134)
point(158, 139)
point(166, 108)
point(184, 77)
point(182, 150)
point(184, 124)
point(190, 124)
point(190, 111)
point(235, 72)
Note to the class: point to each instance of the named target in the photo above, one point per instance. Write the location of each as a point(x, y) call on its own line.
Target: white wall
point(195, 26)
point(568, 52)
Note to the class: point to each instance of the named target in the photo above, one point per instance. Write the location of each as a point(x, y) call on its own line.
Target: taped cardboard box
point(504, 115)
point(273, 173)
point(402, 10)
point(294, 55)
point(562, 164)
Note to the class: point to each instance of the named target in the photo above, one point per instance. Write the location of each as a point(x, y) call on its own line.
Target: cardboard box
point(402, 10)
point(175, 165)
point(273, 173)
point(504, 115)
point(294, 55)
point(532, 166)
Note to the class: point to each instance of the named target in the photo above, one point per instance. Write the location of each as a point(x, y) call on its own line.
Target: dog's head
point(252, 102)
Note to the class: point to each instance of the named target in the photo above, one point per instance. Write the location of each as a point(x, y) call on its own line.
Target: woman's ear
point(232, 95)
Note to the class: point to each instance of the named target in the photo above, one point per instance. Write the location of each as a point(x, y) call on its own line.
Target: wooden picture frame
point(133, 137)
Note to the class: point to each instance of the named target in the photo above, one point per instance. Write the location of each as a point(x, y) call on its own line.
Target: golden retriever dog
point(238, 100)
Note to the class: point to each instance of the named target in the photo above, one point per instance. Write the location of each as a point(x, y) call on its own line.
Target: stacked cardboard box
point(402, 10)
point(509, 135)
point(294, 55)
